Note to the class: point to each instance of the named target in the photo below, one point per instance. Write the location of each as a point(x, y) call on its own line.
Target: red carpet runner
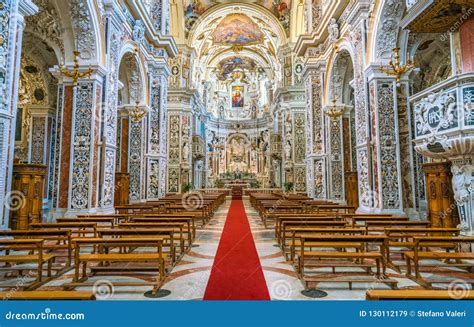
point(236, 273)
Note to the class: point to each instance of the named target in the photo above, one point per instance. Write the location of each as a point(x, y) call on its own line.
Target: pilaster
point(11, 35)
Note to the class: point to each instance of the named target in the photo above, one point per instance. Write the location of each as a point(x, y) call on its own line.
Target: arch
point(344, 49)
point(386, 29)
point(82, 30)
point(432, 56)
point(47, 27)
point(131, 74)
point(243, 136)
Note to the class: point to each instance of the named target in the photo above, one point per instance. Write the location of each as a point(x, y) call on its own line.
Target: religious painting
point(237, 30)
point(193, 9)
point(19, 125)
point(281, 9)
point(237, 96)
point(226, 67)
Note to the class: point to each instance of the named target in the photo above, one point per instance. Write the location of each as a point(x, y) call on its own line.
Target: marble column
point(113, 28)
point(364, 159)
point(385, 143)
point(157, 133)
point(463, 186)
point(11, 33)
point(40, 136)
point(315, 127)
point(180, 108)
point(335, 159)
point(411, 180)
point(40, 143)
point(77, 153)
point(287, 144)
point(136, 158)
point(463, 167)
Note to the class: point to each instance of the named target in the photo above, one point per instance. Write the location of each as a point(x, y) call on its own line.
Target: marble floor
point(189, 278)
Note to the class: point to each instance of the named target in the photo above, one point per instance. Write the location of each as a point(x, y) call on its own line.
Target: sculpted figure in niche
point(185, 151)
point(333, 30)
point(288, 150)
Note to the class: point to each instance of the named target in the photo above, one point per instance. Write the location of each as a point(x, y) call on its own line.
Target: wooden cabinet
point(442, 209)
point(122, 189)
point(27, 192)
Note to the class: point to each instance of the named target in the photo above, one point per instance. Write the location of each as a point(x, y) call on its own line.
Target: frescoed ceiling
point(193, 9)
point(237, 30)
point(229, 65)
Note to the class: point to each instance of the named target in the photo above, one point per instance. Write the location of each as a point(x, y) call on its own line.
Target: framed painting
point(19, 126)
point(237, 96)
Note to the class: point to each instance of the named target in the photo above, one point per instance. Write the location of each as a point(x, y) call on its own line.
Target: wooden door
point(122, 189)
point(27, 195)
point(352, 189)
point(442, 209)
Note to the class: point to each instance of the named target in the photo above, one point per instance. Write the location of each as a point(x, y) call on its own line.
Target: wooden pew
point(280, 219)
point(403, 238)
point(416, 295)
point(380, 225)
point(184, 218)
point(337, 208)
point(297, 231)
point(352, 259)
point(77, 229)
point(184, 226)
point(54, 240)
point(47, 295)
point(364, 219)
point(106, 256)
point(286, 225)
point(36, 255)
point(451, 259)
point(199, 212)
point(169, 235)
point(133, 208)
point(100, 221)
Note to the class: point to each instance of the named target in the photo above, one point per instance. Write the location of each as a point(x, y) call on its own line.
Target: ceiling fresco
point(237, 29)
point(193, 9)
point(226, 67)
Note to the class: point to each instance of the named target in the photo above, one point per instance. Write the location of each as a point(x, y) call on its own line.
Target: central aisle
point(236, 273)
